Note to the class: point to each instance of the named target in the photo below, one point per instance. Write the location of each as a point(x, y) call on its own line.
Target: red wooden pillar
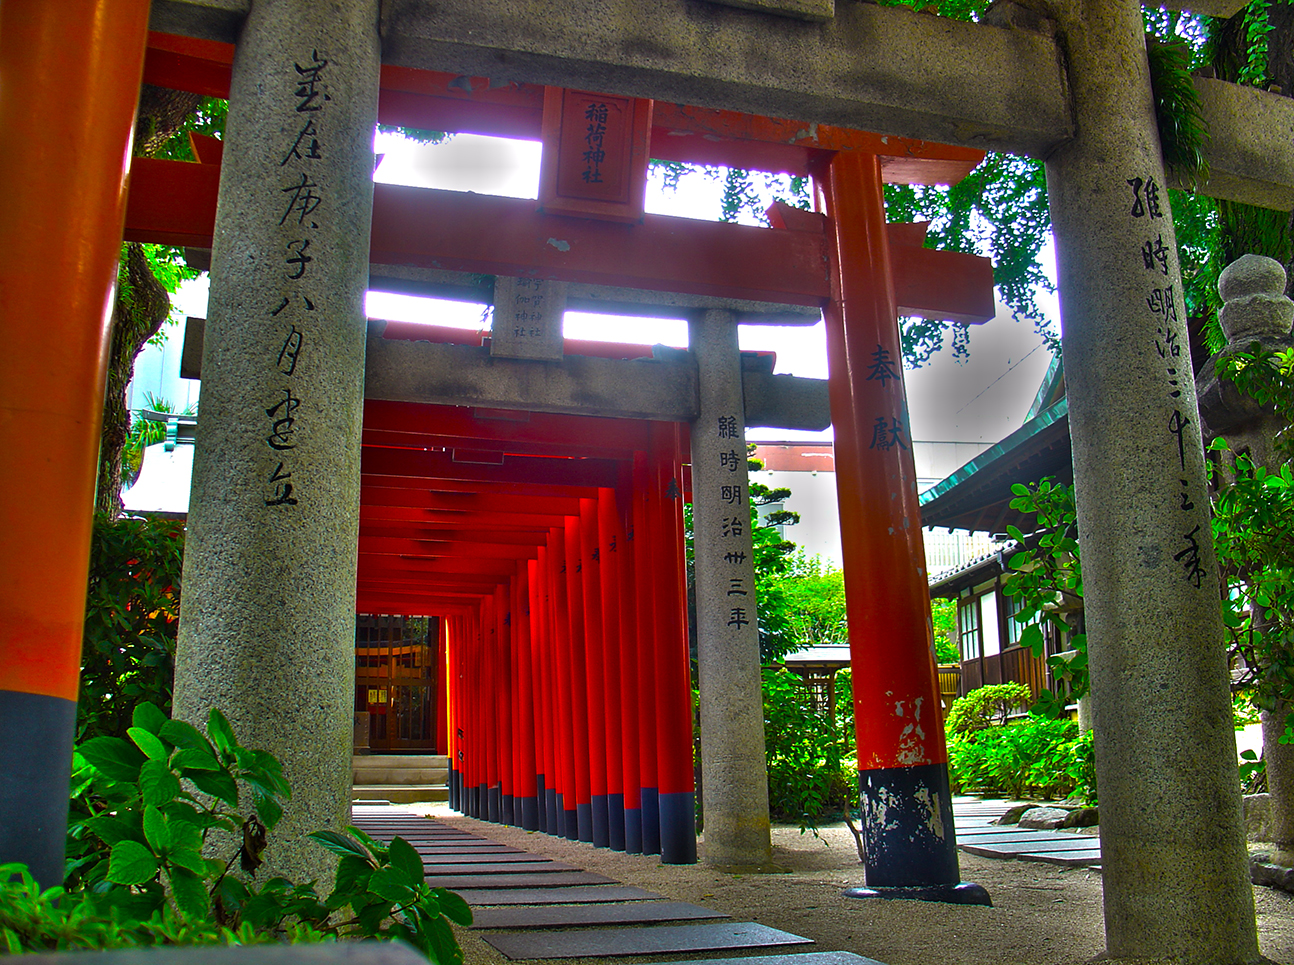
point(567, 794)
point(69, 77)
point(578, 672)
point(902, 759)
point(501, 699)
point(526, 803)
point(673, 667)
point(545, 700)
point(632, 683)
point(611, 546)
point(644, 525)
point(450, 670)
point(530, 767)
point(489, 712)
point(590, 577)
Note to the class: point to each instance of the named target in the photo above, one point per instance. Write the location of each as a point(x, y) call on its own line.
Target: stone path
point(527, 903)
point(976, 834)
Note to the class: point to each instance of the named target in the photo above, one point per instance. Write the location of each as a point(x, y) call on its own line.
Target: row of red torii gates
point(551, 542)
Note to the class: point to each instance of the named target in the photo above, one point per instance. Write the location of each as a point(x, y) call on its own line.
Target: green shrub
point(986, 706)
point(132, 613)
point(1032, 758)
point(155, 830)
point(808, 777)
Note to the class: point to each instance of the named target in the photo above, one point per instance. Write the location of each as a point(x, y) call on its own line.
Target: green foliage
point(147, 811)
point(384, 889)
point(986, 707)
point(813, 596)
point(1033, 758)
point(809, 771)
point(999, 210)
point(208, 121)
point(1253, 532)
point(943, 614)
point(131, 619)
point(1047, 579)
point(154, 833)
point(1183, 133)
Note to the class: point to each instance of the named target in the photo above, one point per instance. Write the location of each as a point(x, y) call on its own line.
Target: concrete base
point(964, 893)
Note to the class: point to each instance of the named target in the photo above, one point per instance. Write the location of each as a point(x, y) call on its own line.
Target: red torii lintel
point(174, 202)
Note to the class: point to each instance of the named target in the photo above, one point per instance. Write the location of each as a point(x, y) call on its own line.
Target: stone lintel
point(1251, 147)
point(662, 389)
point(799, 9)
point(1205, 8)
point(884, 69)
point(204, 19)
point(581, 297)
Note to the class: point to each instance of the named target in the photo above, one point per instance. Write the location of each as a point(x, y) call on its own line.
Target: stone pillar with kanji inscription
point(733, 766)
point(268, 629)
point(1173, 850)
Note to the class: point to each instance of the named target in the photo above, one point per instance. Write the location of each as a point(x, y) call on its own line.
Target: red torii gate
point(860, 275)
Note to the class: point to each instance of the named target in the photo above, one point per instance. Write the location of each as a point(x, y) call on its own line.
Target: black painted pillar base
point(480, 804)
point(584, 821)
point(601, 821)
point(633, 831)
point(678, 828)
point(527, 810)
point(451, 782)
point(907, 819)
point(616, 822)
point(963, 893)
point(36, 734)
point(541, 806)
point(650, 820)
point(553, 813)
point(571, 821)
point(494, 804)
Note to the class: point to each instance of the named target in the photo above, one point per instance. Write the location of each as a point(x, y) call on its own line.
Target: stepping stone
point(472, 863)
point(660, 940)
point(436, 866)
point(1024, 847)
point(552, 879)
point(790, 958)
point(559, 916)
point(1070, 859)
point(554, 896)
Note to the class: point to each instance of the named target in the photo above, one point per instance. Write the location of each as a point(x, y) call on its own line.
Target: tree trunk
point(142, 303)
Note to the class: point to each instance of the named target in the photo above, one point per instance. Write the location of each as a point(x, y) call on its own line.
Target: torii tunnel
point(542, 521)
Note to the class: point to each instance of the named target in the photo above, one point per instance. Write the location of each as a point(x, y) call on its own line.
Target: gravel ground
point(1041, 915)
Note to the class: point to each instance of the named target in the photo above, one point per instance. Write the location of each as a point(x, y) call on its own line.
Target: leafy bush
point(154, 833)
point(808, 777)
point(986, 706)
point(131, 617)
point(1032, 758)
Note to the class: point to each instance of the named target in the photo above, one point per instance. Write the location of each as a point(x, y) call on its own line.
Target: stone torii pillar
point(734, 784)
point(268, 629)
point(1173, 849)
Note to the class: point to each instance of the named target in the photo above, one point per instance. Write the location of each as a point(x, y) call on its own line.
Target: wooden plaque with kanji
point(594, 161)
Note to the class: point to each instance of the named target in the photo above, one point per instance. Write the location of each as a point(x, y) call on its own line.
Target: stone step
point(402, 769)
point(399, 793)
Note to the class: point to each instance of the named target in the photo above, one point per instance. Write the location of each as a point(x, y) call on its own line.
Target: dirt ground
point(1041, 915)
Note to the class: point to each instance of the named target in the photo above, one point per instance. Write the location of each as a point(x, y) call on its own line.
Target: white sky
point(979, 400)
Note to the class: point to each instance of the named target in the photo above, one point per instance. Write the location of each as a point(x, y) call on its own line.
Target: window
point(968, 625)
point(1014, 628)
